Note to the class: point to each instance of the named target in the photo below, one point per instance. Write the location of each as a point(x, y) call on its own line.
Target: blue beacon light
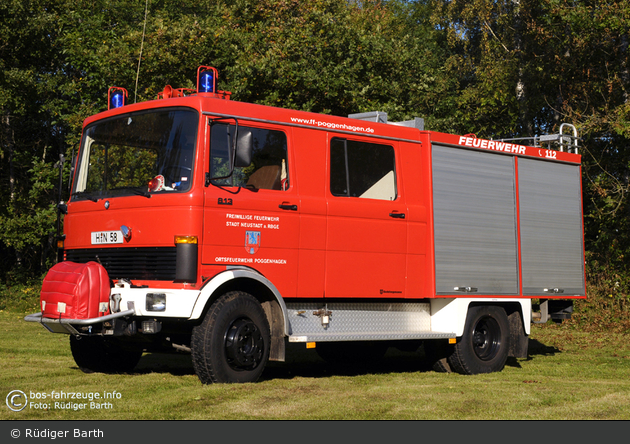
point(206, 82)
point(117, 97)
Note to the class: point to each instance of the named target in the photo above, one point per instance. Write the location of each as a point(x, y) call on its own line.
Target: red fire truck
point(227, 229)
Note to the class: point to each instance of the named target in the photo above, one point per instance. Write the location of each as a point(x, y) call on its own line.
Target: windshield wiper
point(134, 190)
point(84, 194)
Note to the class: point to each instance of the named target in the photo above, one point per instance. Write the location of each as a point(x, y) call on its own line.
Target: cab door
point(367, 229)
point(251, 214)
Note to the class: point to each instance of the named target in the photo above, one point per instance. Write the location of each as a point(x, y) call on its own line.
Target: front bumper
point(126, 303)
point(68, 325)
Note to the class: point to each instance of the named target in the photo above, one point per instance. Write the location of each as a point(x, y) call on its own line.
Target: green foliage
point(20, 296)
point(324, 56)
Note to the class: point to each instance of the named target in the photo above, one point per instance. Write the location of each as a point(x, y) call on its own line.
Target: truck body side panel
point(416, 179)
point(310, 163)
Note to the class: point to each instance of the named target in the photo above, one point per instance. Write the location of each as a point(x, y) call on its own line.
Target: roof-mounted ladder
point(566, 141)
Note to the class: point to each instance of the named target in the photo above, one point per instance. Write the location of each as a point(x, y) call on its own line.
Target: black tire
point(484, 346)
point(103, 355)
point(352, 355)
point(231, 345)
point(436, 352)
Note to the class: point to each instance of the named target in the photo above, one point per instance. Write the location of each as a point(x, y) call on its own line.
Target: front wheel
point(483, 348)
point(232, 343)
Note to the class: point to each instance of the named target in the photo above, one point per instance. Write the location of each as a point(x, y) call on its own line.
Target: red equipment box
point(75, 291)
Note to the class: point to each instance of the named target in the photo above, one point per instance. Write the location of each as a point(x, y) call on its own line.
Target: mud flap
point(519, 341)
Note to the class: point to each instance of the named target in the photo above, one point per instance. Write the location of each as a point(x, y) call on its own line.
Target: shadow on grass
point(177, 364)
point(535, 348)
point(306, 363)
point(299, 362)
point(538, 348)
point(303, 362)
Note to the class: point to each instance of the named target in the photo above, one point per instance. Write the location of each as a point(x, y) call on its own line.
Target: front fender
point(210, 288)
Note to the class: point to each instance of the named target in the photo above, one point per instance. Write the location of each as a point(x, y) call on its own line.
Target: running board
point(316, 322)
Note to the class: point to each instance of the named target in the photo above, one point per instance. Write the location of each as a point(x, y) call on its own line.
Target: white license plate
point(107, 237)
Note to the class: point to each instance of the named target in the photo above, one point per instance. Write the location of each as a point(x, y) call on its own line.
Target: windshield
point(140, 153)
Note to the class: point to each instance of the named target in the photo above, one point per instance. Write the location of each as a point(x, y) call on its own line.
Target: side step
point(316, 322)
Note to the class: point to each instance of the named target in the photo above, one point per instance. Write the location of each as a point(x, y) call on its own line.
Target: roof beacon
point(206, 79)
point(116, 97)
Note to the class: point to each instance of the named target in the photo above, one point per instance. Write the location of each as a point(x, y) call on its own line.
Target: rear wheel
point(103, 355)
point(232, 343)
point(483, 348)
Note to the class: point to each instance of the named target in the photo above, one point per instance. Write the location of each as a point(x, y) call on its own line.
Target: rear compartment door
point(552, 241)
point(475, 226)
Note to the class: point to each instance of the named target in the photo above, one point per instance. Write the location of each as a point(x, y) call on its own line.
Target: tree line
point(498, 69)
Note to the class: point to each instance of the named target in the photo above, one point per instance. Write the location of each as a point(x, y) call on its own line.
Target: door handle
point(284, 206)
point(397, 215)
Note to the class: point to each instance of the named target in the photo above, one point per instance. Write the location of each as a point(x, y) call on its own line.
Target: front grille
point(152, 263)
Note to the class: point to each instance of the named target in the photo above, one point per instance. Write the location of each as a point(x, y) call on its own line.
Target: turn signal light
point(186, 240)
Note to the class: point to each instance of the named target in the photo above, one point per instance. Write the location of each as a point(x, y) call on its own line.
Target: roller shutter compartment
point(474, 210)
point(552, 250)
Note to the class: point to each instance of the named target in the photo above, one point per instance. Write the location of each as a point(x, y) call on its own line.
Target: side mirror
point(244, 148)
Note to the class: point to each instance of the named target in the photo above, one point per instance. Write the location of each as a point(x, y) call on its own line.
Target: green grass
point(569, 374)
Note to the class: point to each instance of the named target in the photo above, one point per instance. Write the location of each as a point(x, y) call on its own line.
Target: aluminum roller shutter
point(552, 251)
point(474, 205)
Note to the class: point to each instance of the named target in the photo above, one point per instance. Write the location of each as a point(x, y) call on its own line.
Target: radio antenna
point(146, 10)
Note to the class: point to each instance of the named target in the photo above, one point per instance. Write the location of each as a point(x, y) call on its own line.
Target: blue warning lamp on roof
point(206, 82)
point(206, 79)
point(116, 97)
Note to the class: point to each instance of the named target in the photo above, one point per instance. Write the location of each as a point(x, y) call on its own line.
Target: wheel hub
point(244, 345)
point(486, 338)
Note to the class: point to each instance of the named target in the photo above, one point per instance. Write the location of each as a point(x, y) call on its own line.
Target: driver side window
point(268, 169)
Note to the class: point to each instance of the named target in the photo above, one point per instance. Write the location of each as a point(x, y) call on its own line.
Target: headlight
point(156, 302)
